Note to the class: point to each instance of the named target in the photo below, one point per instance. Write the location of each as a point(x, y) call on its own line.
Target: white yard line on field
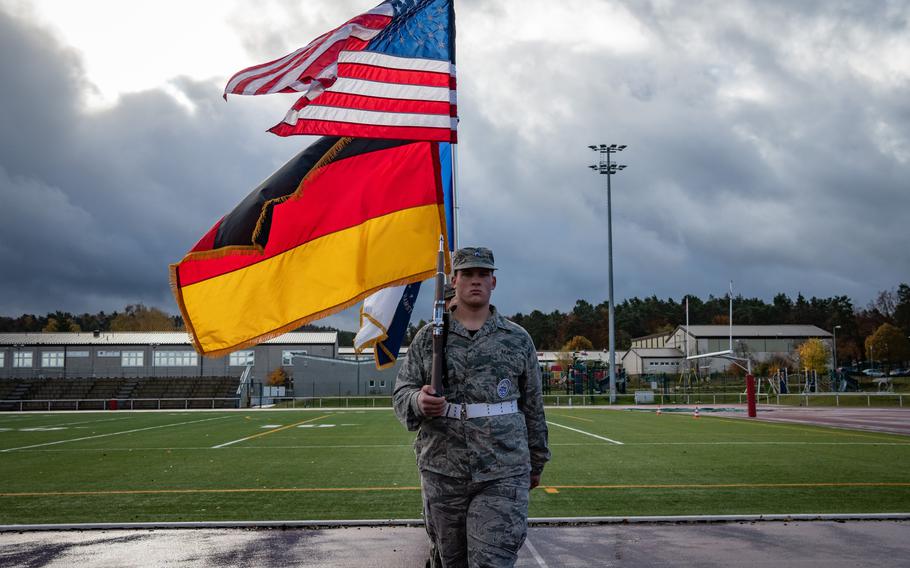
point(266, 433)
point(111, 434)
point(87, 422)
point(586, 433)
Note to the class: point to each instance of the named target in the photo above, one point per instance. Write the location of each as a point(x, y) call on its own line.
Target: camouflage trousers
point(475, 524)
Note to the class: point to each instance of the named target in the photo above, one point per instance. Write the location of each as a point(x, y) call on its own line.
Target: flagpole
point(454, 150)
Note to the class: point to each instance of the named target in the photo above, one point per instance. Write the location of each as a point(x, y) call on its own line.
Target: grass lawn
point(359, 464)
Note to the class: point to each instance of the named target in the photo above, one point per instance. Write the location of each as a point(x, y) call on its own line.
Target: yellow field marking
point(552, 489)
point(185, 491)
point(260, 434)
point(572, 417)
point(731, 485)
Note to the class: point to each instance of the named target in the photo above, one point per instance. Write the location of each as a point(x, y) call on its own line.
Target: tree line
point(884, 324)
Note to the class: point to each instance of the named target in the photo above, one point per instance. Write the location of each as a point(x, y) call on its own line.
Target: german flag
point(341, 220)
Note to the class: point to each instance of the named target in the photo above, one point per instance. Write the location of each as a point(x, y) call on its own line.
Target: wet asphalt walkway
point(821, 544)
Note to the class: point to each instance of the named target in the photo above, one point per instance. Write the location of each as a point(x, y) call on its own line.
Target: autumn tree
point(278, 377)
point(578, 343)
point(888, 343)
point(137, 317)
point(62, 325)
point(813, 355)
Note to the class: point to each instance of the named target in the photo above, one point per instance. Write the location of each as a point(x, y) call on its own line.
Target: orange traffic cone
point(696, 412)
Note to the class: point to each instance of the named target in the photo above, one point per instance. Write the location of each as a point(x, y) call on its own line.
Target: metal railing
point(333, 402)
point(561, 400)
point(117, 404)
point(870, 399)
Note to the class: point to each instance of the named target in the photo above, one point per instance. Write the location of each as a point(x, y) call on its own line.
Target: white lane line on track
point(535, 554)
point(586, 433)
point(753, 443)
point(112, 434)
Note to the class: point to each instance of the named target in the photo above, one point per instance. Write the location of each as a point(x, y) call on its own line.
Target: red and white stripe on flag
point(380, 96)
point(351, 92)
point(312, 68)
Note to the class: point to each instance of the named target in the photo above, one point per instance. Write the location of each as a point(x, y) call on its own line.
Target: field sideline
point(355, 464)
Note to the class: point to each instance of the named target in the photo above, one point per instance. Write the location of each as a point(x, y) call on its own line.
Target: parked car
point(873, 373)
point(900, 373)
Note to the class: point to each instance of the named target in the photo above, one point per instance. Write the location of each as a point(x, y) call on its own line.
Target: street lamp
point(837, 327)
point(606, 167)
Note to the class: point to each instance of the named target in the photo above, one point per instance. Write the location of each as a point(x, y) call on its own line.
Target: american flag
point(388, 73)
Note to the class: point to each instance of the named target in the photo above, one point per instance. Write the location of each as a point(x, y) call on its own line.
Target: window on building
point(22, 359)
point(242, 358)
point(51, 359)
point(132, 359)
point(382, 384)
point(372, 383)
point(287, 357)
point(176, 359)
point(2, 359)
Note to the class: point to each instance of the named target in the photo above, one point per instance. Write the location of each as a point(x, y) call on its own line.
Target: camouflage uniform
point(475, 471)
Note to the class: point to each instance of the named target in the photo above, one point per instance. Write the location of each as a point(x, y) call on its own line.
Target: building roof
point(150, 338)
point(656, 352)
point(756, 331)
point(653, 335)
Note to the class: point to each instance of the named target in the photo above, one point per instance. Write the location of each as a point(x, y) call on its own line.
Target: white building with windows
point(665, 353)
point(313, 360)
point(146, 354)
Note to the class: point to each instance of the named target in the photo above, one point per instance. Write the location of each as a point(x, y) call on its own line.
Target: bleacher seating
point(94, 393)
point(7, 386)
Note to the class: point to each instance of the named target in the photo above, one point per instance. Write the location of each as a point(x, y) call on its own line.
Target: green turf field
point(359, 464)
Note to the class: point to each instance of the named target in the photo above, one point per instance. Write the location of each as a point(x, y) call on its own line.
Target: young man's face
point(473, 286)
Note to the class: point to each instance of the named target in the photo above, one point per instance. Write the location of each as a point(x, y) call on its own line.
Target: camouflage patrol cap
point(472, 257)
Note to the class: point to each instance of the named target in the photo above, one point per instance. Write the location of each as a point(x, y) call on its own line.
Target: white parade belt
point(479, 410)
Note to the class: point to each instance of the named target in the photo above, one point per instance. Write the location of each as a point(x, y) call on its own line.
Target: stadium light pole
point(607, 167)
point(836, 327)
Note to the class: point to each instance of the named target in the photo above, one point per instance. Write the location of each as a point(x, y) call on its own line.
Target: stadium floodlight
point(607, 167)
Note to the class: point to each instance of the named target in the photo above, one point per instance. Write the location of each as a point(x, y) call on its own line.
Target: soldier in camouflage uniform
point(482, 447)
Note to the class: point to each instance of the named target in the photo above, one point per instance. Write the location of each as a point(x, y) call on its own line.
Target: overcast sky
point(768, 143)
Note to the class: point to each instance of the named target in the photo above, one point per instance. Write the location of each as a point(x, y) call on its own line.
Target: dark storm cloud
point(96, 204)
point(765, 146)
point(767, 143)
